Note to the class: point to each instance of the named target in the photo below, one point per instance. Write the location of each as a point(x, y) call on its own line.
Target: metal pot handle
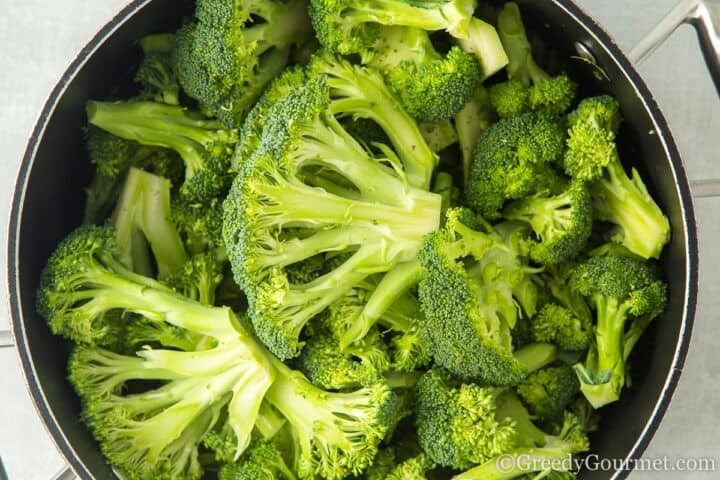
point(704, 16)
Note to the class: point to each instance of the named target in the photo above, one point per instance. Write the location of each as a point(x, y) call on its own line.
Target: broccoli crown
point(549, 391)
point(468, 302)
point(510, 160)
point(198, 278)
point(591, 143)
point(552, 95)
point(200, 224)
point(348, 27)
point(562, 223)
point(274, 219)
point(204, 145)
point(413, 468)
point(431, 87)
point(111, 155)
point(233, 49)
point(509, 98)
point(556, 324)
point(329, 367)
point(157, 78)
point(457, 426)
point(263, 460)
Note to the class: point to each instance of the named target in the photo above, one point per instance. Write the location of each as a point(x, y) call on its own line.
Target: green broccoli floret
point(470, 122)
point(384, 463)
point(234, 49)
point(557, 279)
point(156, 74)
point(142, 220)
point(623, 200)
point(198, 278)
point(562, 223)
point(200, 224)
point(212, 396)
point(329, 367)
point(558, 325)
point(468, 297)
point(548, 392)
point(274, 219)
point(529, 87)
point(511, 159)
point(204, 145)
point(263, 460)
point(618, 289)
point(414, 468)
point(431, 86)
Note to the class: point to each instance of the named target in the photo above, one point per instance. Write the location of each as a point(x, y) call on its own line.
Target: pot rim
point(593, 28)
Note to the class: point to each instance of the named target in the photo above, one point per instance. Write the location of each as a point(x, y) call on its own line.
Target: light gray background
point(39, 38)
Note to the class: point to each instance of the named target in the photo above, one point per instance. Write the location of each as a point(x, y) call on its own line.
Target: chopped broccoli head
point(274, 219)
point(157, 78)
point(511, 159)
point(509, 98)
point(562, 223)
point(263, 460)
point(468, 300)
point(414, 468)
point(200, 224)
point(198, 278)
point(431, 86)
point(618, 288)
point(233, 49)
point(558, 325)
point(553, 95)
point(204, 145)
point(549, 391)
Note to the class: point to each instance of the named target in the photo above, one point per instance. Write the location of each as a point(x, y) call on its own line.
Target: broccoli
point(557, 279)
point(562, 223)
point(263, 460)
point(468, 298)
point(200, 224)
point(204, 145)
point(511, 159)
point(620, 199)
point(549, 391)
point(234, 49)
point(198, 278)
point(215, 394)
point(329, 367)
point(413, 468)
point(619, 289)
point(140, 332)
point(470, 122)
point(529, 87)
point(440, 135)
point(557, 324)
point(141, 219)
point(431, 87)
point(156, 74)
point(273, 219)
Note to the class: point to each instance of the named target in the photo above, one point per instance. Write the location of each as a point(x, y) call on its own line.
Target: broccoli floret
point(557, 279)
point(204, 145)
point(212, 396)
point(511, 158)
point(623, 200)
point(529, 87)
point(548, 392)
point(234, 49)
point(470, 122)
point(562, 223)
point(431, 87)
point(142, 220)
point(274, 219)
point(384, 463)
point(156, 74)
point(263, 460)
point(200, 224)
point(618, 289)
point(329, 367)
point(414, 468)
point(556, 324)
point(468, 299)
point(198, 278)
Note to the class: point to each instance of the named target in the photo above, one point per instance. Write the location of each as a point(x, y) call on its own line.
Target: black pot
point(49, 198)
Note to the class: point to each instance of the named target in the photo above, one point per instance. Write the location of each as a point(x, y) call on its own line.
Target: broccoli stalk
point(619, 289)
point(204, 145)
point(142, 219)
point(471, 121)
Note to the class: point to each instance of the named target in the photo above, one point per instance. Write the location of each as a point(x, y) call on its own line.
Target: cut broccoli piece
point(558, 325)
point(156, 74)
point(198, 278)
point(471, 121)
point(262, 461)
point(200, 224)
point(549, 391)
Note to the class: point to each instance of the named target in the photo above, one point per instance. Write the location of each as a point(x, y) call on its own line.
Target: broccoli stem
point(522, 66)
point(516, 463)
point(269, 422)
point(475, 117)
point(484, 42)
point(397, 380)
point(536, 356)
point(625, 201)
point(394, 285)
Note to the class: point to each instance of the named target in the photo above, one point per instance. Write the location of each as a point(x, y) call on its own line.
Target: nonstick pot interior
point(49, 204)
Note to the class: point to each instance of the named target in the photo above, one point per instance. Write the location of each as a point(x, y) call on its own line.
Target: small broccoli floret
point(619, 289)
point(509, 98)
point(548, 392)
point(200, 224)
point(156, 74)
point(467, 295)
point(620, 199)
point(262, 460)
point(558, 325)
point(198, 278)
point(414, 468)
point(204, 145)
point(384, 463)
point(562, 223)
point(275, 219)
point(329, 367)
point(541, 92)
point(234, 49)
point(431, 86)
point(510, 160)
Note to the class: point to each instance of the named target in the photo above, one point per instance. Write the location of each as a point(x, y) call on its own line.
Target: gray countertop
point(38, 39)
